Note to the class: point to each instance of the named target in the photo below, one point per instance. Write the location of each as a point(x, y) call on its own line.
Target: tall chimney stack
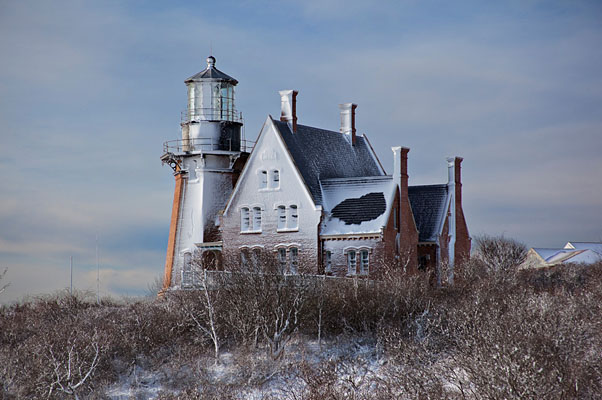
point(288, 108)
point(348, 121)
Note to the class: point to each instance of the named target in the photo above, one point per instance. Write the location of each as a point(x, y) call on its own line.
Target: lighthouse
point(206, 163)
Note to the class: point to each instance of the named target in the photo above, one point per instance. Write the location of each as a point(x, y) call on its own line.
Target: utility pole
point(97, 274)
point(71, 273)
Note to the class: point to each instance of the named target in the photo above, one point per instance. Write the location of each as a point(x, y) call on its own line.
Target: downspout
point(451, 188)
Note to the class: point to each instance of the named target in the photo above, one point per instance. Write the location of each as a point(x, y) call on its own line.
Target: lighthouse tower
point(206, 163)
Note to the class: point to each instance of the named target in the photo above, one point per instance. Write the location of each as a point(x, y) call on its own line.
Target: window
point(293, 222)
point(256, 219)
point(244, 259)
point(187, 273)
point(282, 259)
point(395, 219)
point(275, 179)
point(294, 260)
point(281, 217)
point(245, 225)
point(288, 218)
point(364, 262)
point(328, 262)
point(351, 262)
point(256, 257)
point(263, 179)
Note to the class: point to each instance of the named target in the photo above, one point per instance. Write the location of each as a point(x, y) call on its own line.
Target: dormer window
point(275, 182)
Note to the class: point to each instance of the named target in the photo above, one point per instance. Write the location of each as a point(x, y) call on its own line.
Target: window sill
point(269, 189)
point(249, 232)
point(287, 230)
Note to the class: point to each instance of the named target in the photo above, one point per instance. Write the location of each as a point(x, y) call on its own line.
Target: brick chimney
point(400, 169)
point(348, 121)
point(288, 108)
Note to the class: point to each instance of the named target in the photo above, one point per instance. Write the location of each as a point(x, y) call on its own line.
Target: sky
point(89, 91)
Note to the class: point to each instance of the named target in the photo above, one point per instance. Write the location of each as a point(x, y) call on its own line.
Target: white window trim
point(287, 217)
point(263, 173)
point(250, 208)
point(271, 181)
point(358, 252)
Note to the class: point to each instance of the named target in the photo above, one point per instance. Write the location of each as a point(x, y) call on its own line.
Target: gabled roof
point(567, 255)
point(356, 205)
point(594, 246)
point(429, 206)
point(321, 154)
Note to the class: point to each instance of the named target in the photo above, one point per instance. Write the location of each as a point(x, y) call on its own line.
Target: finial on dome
point(210, 62)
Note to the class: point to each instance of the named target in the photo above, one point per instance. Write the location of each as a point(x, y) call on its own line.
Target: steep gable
point(269, 152)
point(429, 206)
point(321, 154)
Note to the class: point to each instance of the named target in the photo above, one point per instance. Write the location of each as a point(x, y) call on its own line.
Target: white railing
point(206, 144)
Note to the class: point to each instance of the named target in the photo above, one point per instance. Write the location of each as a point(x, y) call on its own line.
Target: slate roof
point(429, 207)
point(356, 205)
point(321, 154)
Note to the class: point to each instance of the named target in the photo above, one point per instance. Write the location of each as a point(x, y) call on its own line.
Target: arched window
point(275, 182)
point(351, 262)
point(281, 217)
point(256, 219)
point(282, 259)
point(263, 179)
point(364, 262)
point(294, 259)
point(245, 225)
point(293, 222)
point(244, 259)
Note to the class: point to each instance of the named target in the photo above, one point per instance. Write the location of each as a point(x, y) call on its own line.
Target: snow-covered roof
point(358, 205)
point(321, 154)
point(568, 255)
point(594, 246)
point(429, 206)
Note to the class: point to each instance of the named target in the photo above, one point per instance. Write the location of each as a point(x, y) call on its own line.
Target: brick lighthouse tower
point(206, 163)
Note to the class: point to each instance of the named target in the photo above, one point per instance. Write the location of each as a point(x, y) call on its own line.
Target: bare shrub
point(3, 287)
point(499, 254)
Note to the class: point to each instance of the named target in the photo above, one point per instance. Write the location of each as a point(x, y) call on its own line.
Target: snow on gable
point(269, 154)
point(593, 246)
point(357, 205)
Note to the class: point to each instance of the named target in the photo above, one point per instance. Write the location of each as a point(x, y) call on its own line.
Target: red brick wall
point(462, 248)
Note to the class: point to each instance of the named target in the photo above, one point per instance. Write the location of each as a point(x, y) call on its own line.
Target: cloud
point(91, 90)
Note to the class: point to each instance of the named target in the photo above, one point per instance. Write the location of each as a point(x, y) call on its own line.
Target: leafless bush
point(499, 254)
point(3, 287)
